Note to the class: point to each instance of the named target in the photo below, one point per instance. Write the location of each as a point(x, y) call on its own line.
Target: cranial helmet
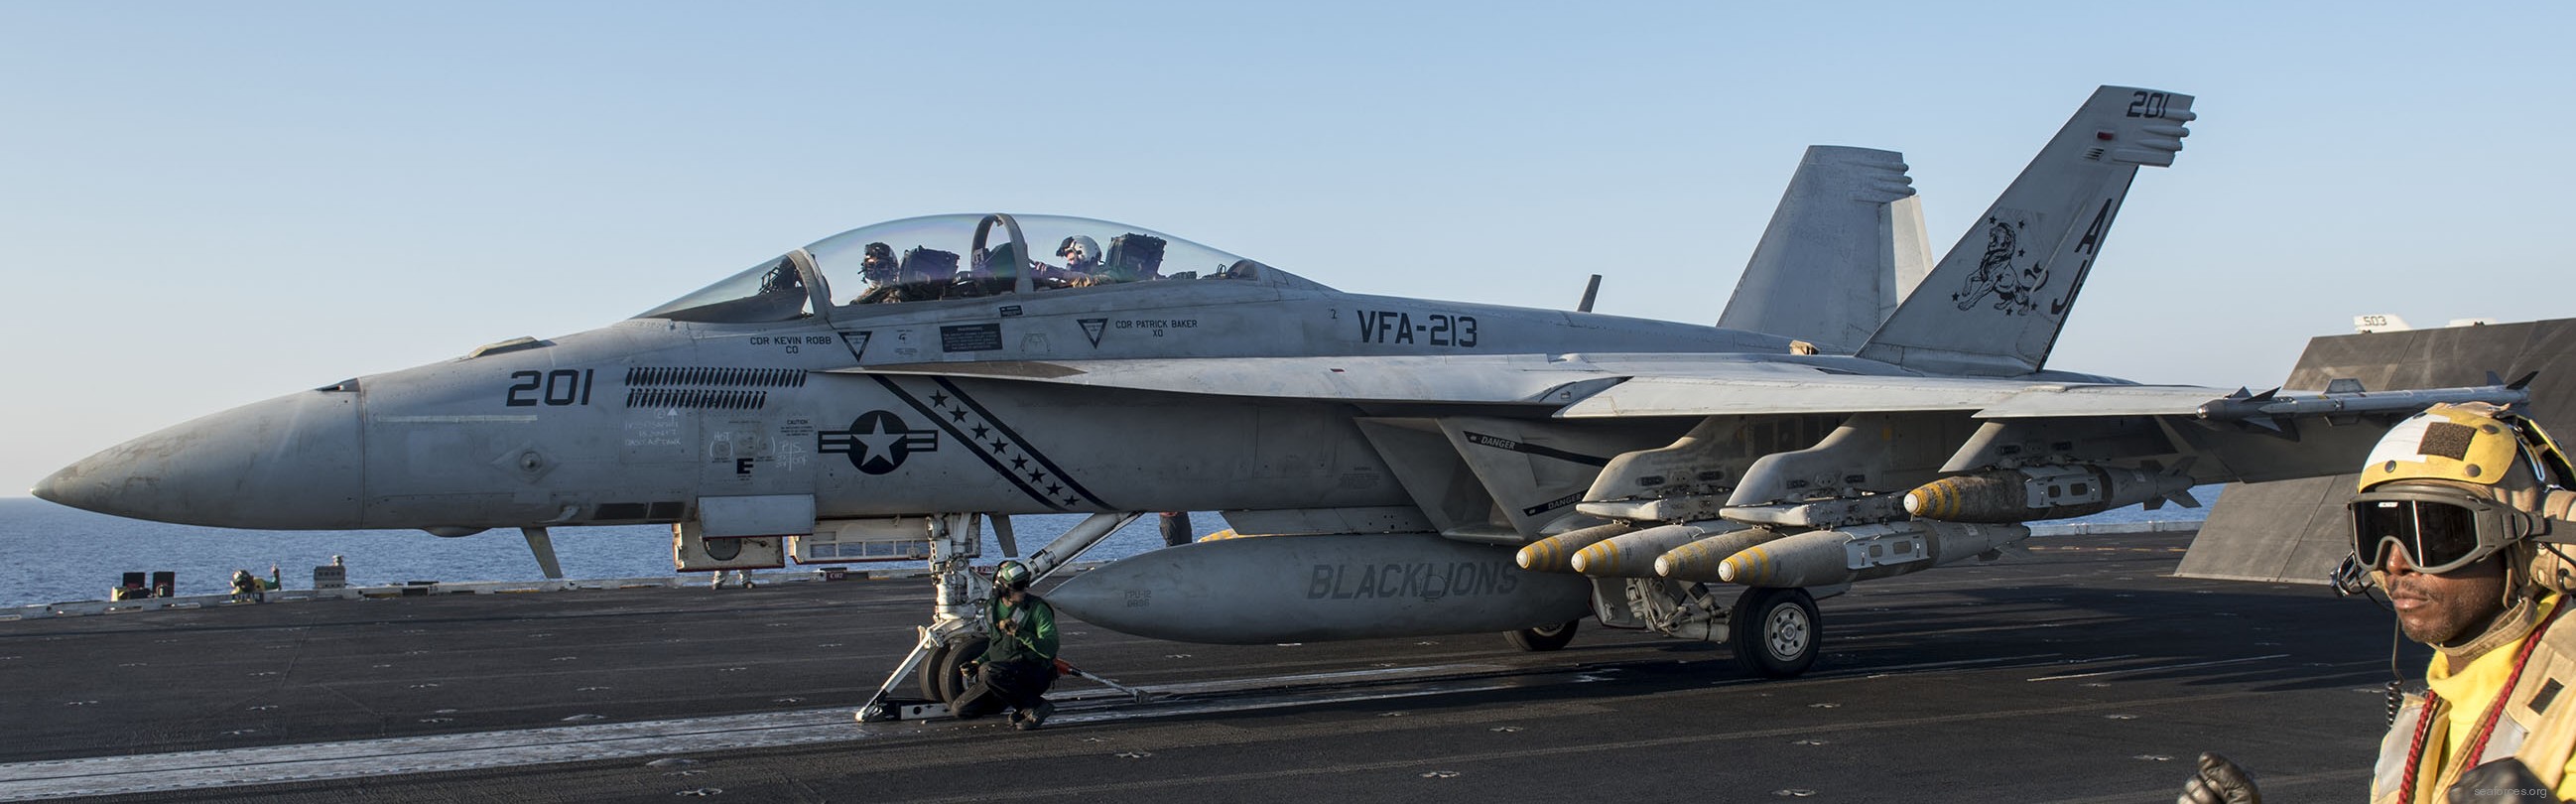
point(1079, 248)
point(2460, 443)
point(878, 263)
point(2457, 483)
point(1011, 575)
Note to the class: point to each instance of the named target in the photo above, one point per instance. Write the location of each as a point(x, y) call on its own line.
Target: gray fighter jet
point(1407, 466)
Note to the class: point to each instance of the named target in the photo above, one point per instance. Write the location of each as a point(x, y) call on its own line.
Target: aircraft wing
point(1493, 380)
point(2230, 437)
point(1581, 386)
point(1578, 386)
point(1713, 394)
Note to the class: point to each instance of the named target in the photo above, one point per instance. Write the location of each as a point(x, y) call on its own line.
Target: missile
point(2045, 492)
point(1320, 588)
point(1633, 555)
point(2347, 398)
point(1864, 552)
point(1700, 560)
point(1556, 553)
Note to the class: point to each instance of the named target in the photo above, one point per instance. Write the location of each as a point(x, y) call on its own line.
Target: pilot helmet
point(1011, 575)
point(878, 264)
point(2456, 484)
point(1079, 249)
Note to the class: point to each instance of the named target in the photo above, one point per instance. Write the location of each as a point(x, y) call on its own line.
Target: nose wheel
point(943, 676)
point(1775, 631)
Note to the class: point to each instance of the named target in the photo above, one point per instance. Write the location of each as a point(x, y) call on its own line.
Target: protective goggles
point(2440, 532)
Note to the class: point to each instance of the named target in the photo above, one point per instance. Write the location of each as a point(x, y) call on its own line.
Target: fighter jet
point(1402, 466)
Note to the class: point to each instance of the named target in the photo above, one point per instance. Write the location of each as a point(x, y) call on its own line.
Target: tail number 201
point(2147, 104)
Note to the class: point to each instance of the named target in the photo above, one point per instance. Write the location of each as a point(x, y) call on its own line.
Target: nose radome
point(44, 489)
point(293, 462)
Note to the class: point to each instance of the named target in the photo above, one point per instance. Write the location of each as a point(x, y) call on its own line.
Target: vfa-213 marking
point(1401, 326)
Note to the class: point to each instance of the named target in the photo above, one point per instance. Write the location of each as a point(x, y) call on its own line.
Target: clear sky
point(207, 204)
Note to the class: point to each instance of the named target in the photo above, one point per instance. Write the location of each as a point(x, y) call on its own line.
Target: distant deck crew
point(1019, 666)
point(2463, 515)
point(246, 588)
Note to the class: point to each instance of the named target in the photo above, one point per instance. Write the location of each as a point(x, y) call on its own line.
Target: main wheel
point(1543, 638)
point(929, 673)
point(943, 676)
point(1775, 631)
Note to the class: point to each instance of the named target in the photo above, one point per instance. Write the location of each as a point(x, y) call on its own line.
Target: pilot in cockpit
point(878, 268)
point(1081, 257)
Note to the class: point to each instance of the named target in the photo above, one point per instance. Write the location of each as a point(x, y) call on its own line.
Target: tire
point(941, 677)
point(952, 681)
point(1775, 631)
point(1543, 638)
point(929, 673)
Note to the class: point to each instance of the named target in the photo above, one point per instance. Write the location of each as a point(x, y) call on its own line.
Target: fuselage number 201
point(556, 388)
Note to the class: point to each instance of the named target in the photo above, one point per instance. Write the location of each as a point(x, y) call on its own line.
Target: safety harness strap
point(2548, 741)
point(2477, 744)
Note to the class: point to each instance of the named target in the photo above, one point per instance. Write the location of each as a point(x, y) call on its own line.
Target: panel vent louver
point(693, 398)
point(715, 377)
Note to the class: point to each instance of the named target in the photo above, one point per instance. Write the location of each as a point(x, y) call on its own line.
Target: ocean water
point(65, 554)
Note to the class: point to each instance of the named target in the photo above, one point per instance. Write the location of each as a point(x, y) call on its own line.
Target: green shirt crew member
point(1019, 665)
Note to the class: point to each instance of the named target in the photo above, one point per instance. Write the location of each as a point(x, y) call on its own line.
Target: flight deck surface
point(2081, 672)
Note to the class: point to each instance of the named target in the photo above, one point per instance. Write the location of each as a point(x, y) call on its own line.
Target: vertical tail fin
point(1844, 247)
point(1996, 302)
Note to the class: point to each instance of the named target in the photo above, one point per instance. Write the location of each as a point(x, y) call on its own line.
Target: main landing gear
point(1775, 631)
point(1543, 638)
point(956, 633)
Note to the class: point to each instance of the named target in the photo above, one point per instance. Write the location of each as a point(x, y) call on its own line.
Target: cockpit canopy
point(944, 257)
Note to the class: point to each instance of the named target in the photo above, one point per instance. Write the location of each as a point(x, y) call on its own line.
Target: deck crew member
point(2463, 515)
point(1019, 665)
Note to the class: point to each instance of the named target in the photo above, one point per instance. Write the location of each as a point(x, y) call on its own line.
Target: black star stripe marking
point(1074, 487)
point(993, 439)
point(989, 460)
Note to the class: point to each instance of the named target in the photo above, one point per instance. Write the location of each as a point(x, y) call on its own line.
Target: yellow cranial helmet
point(2465, 443)
point(2457, 483)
